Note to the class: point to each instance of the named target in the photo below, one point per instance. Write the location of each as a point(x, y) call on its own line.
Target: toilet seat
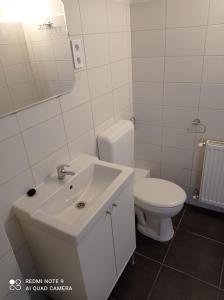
point(158, 193)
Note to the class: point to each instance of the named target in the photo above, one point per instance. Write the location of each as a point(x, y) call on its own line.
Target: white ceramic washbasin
point(71, 206)
point(80, 194)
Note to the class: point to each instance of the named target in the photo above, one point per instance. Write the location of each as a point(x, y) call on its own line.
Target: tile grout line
point(148, 258)
point(182, 272)
point(205, 237)
point(162, 263)
point(221, 275)
point(191, 276)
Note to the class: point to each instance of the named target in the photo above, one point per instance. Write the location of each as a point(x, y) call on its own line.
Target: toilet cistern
point(62, 172)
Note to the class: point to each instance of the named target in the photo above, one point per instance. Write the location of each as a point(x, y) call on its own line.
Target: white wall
point(34, 141)
point(178, 73)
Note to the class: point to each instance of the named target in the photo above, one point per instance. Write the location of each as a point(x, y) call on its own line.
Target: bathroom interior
point(111, 149)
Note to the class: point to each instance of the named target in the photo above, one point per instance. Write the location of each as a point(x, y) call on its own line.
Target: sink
point(86, 222)
point(71, 206)
point(80, 193)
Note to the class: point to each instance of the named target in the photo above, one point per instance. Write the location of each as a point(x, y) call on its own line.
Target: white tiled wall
point(34, 141)
point(178, 73)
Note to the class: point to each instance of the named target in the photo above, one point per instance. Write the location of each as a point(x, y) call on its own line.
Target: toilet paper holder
point(200, 128)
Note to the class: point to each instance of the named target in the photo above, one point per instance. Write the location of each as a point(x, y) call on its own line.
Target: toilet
point(156, 200)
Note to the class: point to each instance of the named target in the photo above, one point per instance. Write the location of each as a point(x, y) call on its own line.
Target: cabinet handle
point(114, 205)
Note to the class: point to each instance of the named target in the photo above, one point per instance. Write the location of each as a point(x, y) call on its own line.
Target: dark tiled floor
point(189, 267)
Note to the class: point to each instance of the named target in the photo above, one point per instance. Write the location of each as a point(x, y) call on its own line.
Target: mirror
point(35, 54)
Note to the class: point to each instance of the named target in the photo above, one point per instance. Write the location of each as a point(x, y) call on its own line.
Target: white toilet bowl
point(156, 202)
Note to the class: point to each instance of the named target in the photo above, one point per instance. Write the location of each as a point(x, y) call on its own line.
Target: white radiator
point(212, 182)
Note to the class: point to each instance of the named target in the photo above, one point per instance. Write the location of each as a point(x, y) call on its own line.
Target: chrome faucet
point(62, 172)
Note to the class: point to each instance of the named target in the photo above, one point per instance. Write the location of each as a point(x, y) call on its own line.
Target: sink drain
point(80, 205)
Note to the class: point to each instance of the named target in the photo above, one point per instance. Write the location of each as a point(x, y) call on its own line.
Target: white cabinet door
point(96, 253)
point(123, 224)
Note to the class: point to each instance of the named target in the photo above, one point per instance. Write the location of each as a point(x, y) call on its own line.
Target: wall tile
point(84, 144)
point(148, 92)
point(186, 13)
point(215, 43)
point(147, 152)
point(13, 158)
point(148, 43)
point(124, 114)
point(148, 15)
point(181, 94)
point(43, 139)
point(148, 69)
point(8, 127)
point(213, 69)
point(78, 121)
point(102, 108)
point(216, 15)
point(148, 134)
point(117, 16)
point(183, 69)
point(212, 96)
point(185, 41)
point(79, 93)
point(120, 73)
point(148, 114)
point(177, 157)
point(93, 14)
point(96, 47)
point(121, 97)
point(178, 138)
point(179, 117)
point(177, 175)
point(7, 104)
point(38, 113)
point(118, 46)
point(213, 118)
point(99, 81)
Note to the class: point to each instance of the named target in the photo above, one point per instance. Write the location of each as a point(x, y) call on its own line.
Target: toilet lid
point(158, 192)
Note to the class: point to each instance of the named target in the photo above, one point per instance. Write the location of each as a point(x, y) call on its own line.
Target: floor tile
point(221, 295)
point(197, 256)
point(136, 281)
point(204, 222)
point(222, 279)
point(172, 285)
point(151, 248)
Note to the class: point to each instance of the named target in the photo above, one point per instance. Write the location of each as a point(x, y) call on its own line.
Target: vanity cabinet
point(107, 248)
point(123, 226)
point(92, 265)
